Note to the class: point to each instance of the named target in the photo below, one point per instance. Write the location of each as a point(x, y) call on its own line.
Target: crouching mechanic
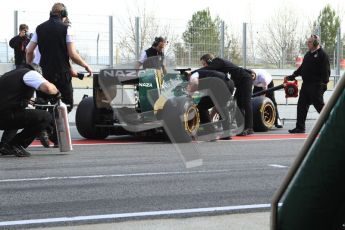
point(262, 80)
point(16, 89)
point(219, 89)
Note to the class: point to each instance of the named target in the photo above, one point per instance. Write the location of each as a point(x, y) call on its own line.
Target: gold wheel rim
point(269, 115)
point(191, 120)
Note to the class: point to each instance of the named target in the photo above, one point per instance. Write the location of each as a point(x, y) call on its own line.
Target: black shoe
point(225, 138)
point(297, 130)
point(6, 150)
point(19, 151)
point(246, 132)
point(44, 139)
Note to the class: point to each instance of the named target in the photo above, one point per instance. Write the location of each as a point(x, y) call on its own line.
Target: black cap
point(158, 40)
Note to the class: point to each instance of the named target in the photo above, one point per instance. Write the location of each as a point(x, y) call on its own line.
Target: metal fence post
point(283, 53)
point(189, 54)
point(337, 70)
point(15, 23)
point(97, 47)
point(222, 39)
point(244, 45)
point(137, 38)
point(7, 60)
point(317, 31)
point(111, 42)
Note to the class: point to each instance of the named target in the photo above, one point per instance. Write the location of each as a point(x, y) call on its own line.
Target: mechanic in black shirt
point(153, 57)
point(18, 43)
point(243, 82)
point(55, 42)
point(315, 72)
point(56, 45)
point(16, 89)
point(219, 89)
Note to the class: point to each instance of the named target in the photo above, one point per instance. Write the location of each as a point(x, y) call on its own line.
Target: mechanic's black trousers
point(32, 122)
point(63, 83)
point(7, 135)
point(244, 100)
point(310, 94)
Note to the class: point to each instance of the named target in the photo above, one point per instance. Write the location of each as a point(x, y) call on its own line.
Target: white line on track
point(113, 175)
point(124, 175)
point(278, 166)
point(134, 214)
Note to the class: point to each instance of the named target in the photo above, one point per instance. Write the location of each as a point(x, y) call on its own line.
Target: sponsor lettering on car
point(146, 84)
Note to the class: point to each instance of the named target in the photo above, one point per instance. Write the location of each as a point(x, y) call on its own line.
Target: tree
point(232, 48)
point(280, 44)
point(150, 27)
point(328, 22)
point(201, 36)
point(182, 54)
point(128, 39)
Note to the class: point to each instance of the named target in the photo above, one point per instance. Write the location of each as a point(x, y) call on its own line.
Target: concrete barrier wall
point(5, 67)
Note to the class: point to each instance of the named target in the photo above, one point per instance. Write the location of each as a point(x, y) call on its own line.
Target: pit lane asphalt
point(140, 177)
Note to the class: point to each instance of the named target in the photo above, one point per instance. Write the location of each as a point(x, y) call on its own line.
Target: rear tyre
point(264, 114)
point(181, 119)
point(86, 118)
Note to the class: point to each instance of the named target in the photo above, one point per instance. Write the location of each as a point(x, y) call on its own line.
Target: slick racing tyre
point(264, 114)
point(86, 118)
point(181, 119)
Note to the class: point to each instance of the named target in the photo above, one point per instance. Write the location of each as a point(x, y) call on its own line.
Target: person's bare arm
point(30, 54)
point(73, 72)
point(48, 88)
point(73, 54)
point(192, 86)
